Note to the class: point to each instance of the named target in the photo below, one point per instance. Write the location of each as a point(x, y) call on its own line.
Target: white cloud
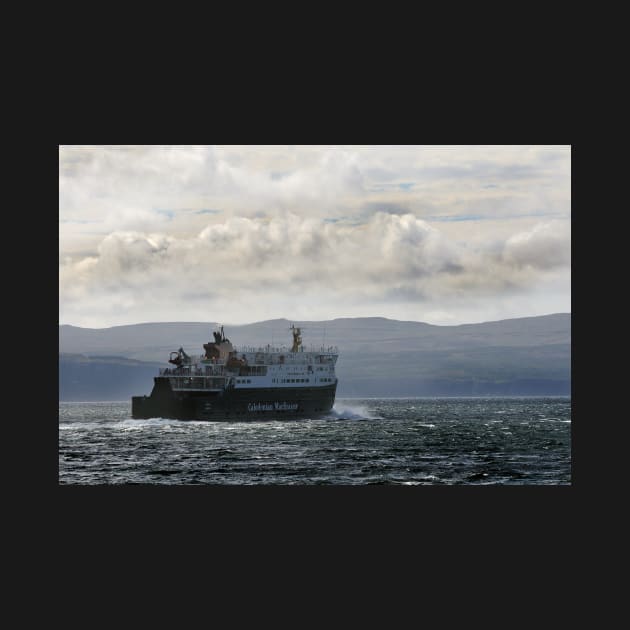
point(390, 258)
point(148, 233)
point(545, 246)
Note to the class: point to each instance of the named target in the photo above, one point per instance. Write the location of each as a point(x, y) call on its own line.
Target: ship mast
point(297, 338)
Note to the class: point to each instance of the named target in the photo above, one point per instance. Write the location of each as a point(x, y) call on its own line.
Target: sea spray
point(345, 411)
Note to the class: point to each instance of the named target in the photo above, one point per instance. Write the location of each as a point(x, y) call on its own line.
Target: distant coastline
point(379, 358)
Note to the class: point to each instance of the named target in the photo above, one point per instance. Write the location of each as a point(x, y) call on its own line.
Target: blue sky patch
point(169, 213)
point(459, 217)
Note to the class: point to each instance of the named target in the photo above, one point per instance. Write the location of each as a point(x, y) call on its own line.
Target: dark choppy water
point(373, 441)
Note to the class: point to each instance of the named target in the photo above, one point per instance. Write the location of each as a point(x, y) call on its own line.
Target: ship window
point(248, 381)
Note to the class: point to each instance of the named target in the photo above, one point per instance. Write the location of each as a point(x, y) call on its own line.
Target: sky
point(238, 234)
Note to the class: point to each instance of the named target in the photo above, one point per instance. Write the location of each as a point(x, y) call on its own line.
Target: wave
point(132, 424)
point(351, 412)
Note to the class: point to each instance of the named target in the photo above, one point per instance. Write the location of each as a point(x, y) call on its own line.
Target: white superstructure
point(223, 365)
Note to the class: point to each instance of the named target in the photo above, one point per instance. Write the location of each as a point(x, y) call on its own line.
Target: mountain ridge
point(377, 356)
point(336, 319)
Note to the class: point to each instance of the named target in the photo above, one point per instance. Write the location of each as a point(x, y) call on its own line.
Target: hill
point(378, 356)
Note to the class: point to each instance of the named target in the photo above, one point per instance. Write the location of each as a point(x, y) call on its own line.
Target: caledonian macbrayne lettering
point(276, 406)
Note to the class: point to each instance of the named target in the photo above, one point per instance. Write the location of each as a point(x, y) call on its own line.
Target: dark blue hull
point(234, 404)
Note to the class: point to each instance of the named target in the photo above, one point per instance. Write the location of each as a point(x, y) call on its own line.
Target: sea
point(411, 441)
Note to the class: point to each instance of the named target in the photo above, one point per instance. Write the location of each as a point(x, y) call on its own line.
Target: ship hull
point(234, 404)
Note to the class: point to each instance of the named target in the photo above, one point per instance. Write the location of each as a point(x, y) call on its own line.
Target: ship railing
point(205, 383)
point(292, 360)
point(206, 370)
point(285, 350)
point(255, 356)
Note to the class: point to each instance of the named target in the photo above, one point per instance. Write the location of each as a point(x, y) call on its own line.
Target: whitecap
point(351, 412)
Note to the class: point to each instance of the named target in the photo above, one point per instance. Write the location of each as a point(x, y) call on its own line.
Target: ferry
point(227, 383)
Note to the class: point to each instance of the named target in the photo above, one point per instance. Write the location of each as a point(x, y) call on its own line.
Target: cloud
point(390, 256)
point(126, 188)
point(545, 246)
point(153, 232)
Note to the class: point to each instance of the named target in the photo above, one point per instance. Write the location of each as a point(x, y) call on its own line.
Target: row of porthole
point(291, 380)
point(288, 380)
